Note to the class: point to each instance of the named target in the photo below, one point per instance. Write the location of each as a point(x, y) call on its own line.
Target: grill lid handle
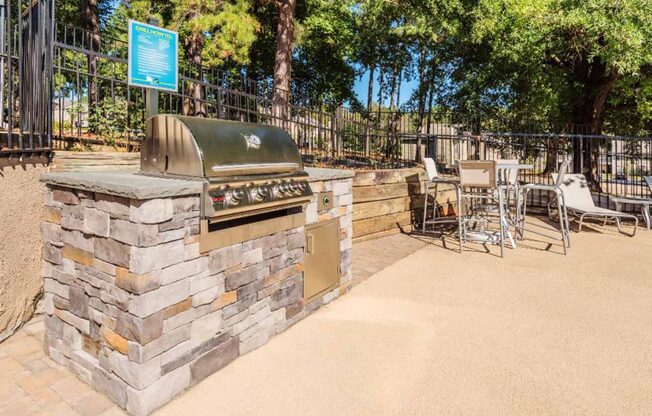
point(244, 168)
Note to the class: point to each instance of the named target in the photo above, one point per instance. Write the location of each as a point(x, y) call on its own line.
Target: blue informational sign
point(153, 57)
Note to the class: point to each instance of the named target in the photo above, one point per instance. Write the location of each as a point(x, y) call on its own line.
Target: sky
point(360, 89)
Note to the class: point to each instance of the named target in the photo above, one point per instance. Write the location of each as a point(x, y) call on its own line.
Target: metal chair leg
point(562, 226)
point(645, 210)
point(459, 217)
point(501, 212)
point(524, 214)
point(519, 221)
point(425, 207)
point(568, 230)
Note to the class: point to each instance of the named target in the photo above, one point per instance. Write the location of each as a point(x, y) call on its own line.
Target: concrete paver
point(32, 384)
point(372, 256)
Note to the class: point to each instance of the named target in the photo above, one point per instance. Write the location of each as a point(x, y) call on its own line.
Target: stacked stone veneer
point(134, 309)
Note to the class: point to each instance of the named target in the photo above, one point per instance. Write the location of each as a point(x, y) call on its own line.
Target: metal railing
point(25, 80)
point(93, 106)
point(618, 168)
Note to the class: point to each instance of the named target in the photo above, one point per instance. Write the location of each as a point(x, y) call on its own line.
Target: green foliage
point(324, 66)
point(529, 60)
point(109, 121)
point(551, 58)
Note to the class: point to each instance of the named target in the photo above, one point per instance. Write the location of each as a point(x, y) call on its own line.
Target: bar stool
point(478, 182)
point(433, 180)
point(508, 181)
point(558, 200)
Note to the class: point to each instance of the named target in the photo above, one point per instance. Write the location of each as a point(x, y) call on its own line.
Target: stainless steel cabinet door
point(322, 270)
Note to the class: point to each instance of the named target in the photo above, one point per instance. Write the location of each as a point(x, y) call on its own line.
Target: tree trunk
point(194, 103)
point(552, 154)
point(392, 89)
point(431, 97)
point(370, 95)
point(380, 96)
point(91, 21)
point(422, 101)
point(589, 114)
point(391, 121)
point(398, 91)
point(370, 87)
point(283, 60)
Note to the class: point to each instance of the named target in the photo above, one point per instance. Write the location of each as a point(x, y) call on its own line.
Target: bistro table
point(644, 203)
point(503, 169)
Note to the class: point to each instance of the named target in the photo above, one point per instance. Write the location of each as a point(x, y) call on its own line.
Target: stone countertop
point(321, 174)
point(124, 184)
point(135, 186)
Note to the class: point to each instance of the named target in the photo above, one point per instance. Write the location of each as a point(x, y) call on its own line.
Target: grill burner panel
point(253, 195)
point(225, 197)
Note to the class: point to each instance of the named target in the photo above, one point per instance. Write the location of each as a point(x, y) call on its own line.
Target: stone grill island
point(135, 309)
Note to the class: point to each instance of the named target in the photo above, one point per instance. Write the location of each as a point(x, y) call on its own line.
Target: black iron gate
point(26, 32)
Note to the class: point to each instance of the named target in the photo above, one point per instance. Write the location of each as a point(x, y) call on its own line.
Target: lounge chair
point(579, 202)
point(643, 203)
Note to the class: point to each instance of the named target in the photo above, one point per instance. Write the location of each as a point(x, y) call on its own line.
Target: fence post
point(2, 63)
point(435, 147)
point(581, 156)
point(367, 141)
point(334, 133)
point(477, 148)
point(151, 95)
point(218, 103)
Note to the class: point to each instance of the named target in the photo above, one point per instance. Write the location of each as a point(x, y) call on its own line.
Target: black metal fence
point(25, 80)
point(92, 105)
point(618, 164)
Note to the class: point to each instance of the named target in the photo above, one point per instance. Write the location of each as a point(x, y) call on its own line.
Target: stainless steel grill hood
point(213, 149)
point(247, 168)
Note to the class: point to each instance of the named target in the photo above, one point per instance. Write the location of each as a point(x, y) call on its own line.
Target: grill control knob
point(258, 194)
point(284, 190)
point(302, 186)
point(234, 197)
point(295, 189)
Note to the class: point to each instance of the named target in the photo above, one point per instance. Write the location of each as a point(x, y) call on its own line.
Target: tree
point(324, 66)
point(283, 58)
point(429, 23)
point(90, 16)
point(575, 50)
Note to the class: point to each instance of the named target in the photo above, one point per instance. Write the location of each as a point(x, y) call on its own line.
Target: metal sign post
point(153, 61)
point(151, 95)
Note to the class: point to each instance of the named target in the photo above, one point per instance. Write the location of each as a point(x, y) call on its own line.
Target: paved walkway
point(436, 333)
point(32, 384)
point(372, 256)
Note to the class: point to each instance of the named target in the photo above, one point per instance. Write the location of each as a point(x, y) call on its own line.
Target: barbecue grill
point(252, 174)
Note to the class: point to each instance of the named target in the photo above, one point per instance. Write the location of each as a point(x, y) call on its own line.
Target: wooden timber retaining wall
point(390, 201)
point(95, 161)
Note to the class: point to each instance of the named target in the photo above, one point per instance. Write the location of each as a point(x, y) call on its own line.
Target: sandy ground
point(440, 333)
